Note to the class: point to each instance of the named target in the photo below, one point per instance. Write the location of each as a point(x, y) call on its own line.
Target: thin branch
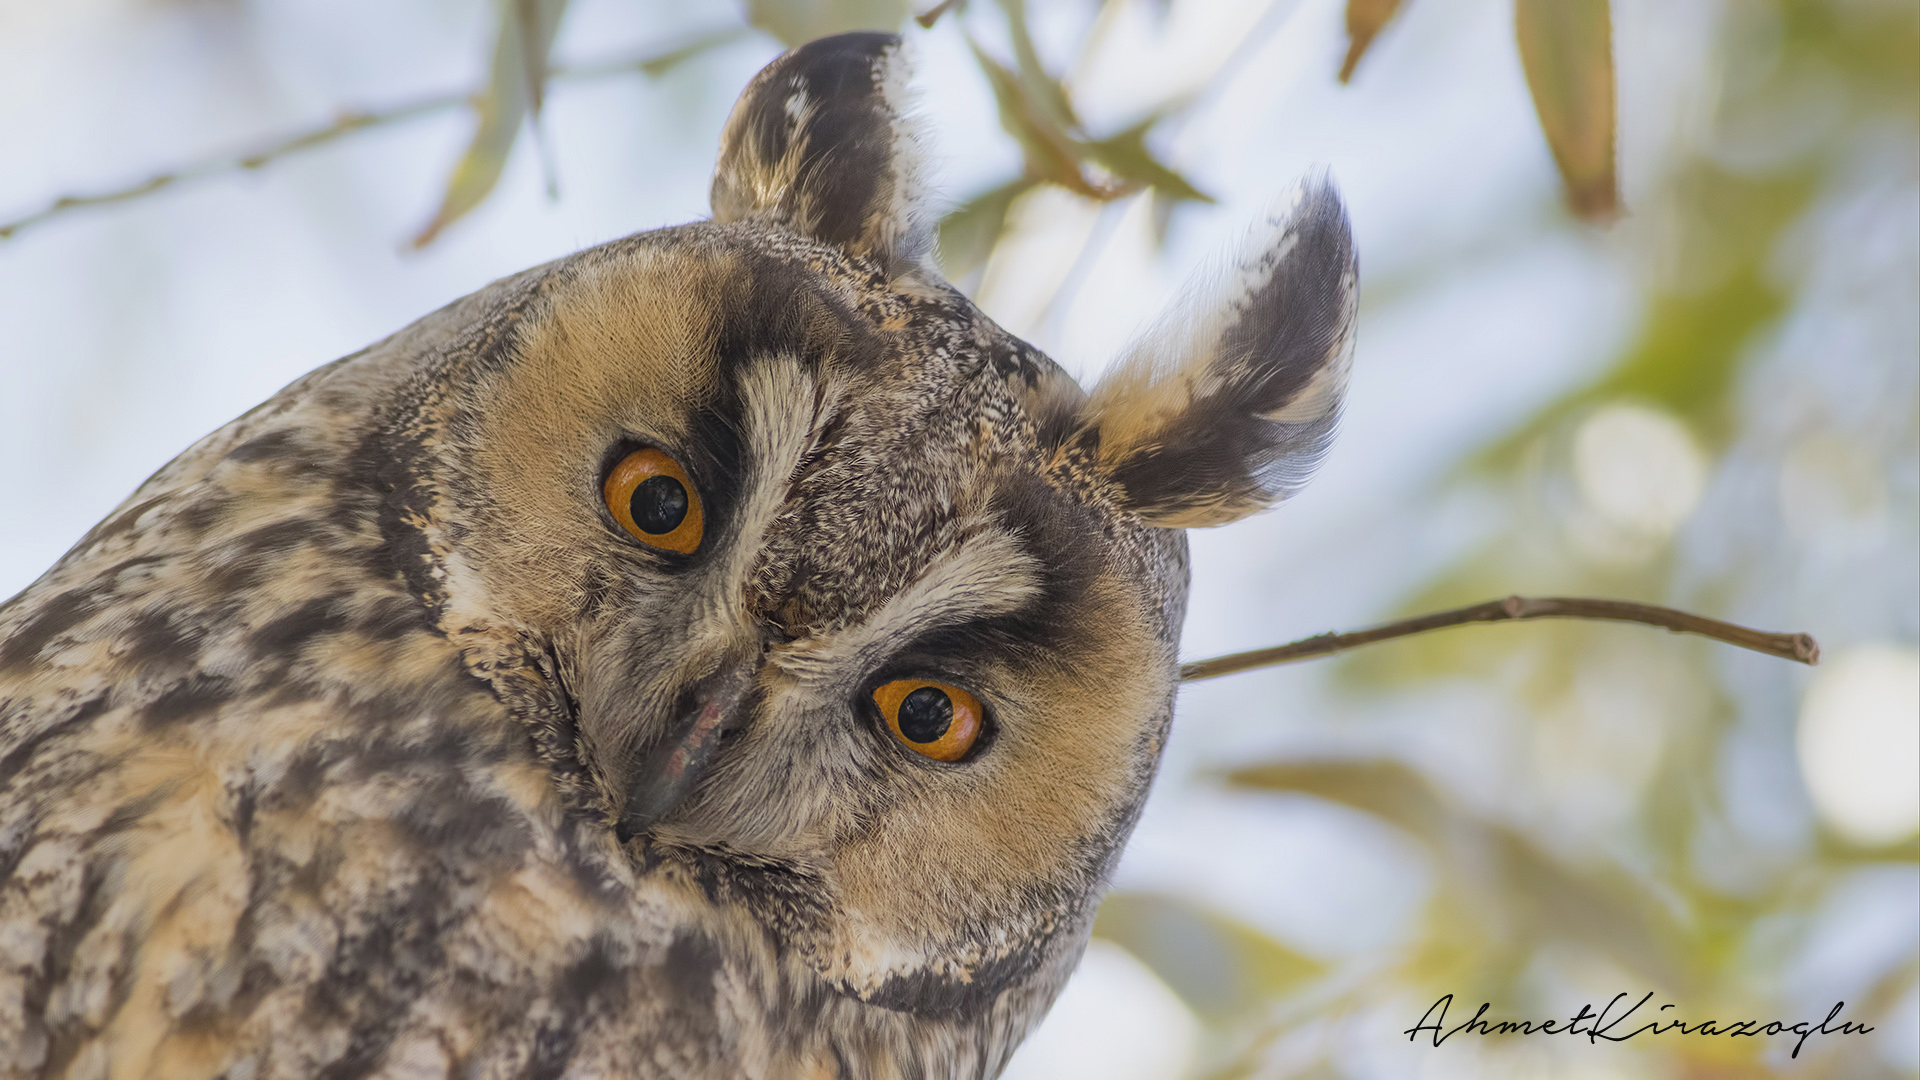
point(927, 18)
point(349, 121)
point(1799, 647)
point(346, 122)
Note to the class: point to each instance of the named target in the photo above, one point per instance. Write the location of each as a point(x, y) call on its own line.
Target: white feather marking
point(909, 213)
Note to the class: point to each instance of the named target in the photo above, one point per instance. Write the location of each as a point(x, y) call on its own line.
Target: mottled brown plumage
point(361, 741)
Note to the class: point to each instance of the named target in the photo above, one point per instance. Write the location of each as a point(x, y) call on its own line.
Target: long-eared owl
point(723, 652)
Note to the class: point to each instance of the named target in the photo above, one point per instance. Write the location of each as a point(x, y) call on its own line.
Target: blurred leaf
point(536, 38)
point(796, 22)
point(1386, 789)
point(1050, 153)
point(967, 235)
point(1035, 111)
point(1498, 876)
point(1364, 20)
point(1042, 91)
point(1218, 965)
point(514, 85)
point(1127, 157)
point(1566, 47)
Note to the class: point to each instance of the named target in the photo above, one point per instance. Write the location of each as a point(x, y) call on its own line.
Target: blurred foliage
point(1564, 44)
point(1365, 19)
point(1036, 109)
point(516, 85)
point(1500, 893)
point(1523, 881)
point(1566, 47)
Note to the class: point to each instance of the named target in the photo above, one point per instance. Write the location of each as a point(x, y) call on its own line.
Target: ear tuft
point(820, 143)
point(1228, 405)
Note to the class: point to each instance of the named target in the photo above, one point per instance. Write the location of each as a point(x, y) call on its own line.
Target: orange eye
point(931, 718)
point(654, 499)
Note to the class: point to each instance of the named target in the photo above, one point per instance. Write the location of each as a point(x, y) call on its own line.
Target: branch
point(347, 122)
point(1799, 647)
point(927, 18)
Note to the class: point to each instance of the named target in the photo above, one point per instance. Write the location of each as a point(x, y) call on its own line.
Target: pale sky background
point(128, 332)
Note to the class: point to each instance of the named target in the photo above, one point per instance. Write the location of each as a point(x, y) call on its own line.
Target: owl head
point(851, 610)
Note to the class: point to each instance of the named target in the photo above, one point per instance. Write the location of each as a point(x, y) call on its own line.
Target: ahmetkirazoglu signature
point(1599, 1027)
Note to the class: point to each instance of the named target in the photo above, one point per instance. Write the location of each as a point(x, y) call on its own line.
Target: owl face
point(720, 652)
point(820, 597)
point(852, 594)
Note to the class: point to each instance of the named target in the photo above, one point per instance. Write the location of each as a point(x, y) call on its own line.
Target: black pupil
point(659, 505)
point(926, 714)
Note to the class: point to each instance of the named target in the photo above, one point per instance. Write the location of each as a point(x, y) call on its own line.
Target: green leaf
point(796, 22)
point(1364, 20)
point(514, 86)
point(1039, 119)
point(1218, 965)
point(1566, 47)
point(1051, 154)
point(1127, 157)
point(968, 235)
point(1042, 91)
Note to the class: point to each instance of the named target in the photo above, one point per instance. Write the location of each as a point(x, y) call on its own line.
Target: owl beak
point(668, 770)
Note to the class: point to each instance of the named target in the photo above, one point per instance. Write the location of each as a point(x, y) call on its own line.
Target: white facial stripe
point(780, 426)
point(986, 575)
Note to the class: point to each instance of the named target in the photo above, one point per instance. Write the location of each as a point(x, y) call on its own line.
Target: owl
point(723, 652)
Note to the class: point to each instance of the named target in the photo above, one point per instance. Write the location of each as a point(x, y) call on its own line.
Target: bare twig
point(1799, 647)
point(349, 121)
point(346, 122)
point(927, 18)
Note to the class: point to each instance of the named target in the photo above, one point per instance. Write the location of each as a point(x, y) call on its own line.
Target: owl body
point(372, 737)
